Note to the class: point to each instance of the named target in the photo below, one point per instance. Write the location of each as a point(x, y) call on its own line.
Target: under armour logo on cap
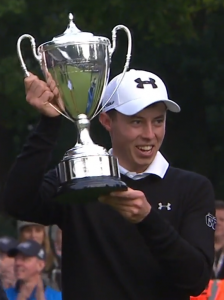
point(140, 83)
point(41, 254)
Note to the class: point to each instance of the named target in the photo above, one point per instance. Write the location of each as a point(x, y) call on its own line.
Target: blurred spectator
point(38, 233)
point(55, 235)
point(7, 263)
point(218, 266)
point(58, 242)
point(2, 292)
point(29, 264)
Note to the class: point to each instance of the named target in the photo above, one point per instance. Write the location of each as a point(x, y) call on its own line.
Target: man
point(7, 277)
point(153, 241)
point(29, 263)
point(6, 262)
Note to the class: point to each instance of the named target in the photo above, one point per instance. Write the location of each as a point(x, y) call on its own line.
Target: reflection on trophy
point(79, 62)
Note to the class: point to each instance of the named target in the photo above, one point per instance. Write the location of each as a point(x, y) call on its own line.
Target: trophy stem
point(83, 126)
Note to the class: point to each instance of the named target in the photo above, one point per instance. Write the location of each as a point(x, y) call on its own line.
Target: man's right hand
point(40, 94)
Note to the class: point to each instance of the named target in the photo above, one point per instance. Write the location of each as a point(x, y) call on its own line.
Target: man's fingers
point(28, 81)
point(129, 194)
point(116, 201)
point(39, 89)
point(36, 89)
point(51, 84)
point(55, 91)
point(46, 97)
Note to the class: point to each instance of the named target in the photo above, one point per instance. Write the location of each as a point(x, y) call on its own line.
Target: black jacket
point(169, 255)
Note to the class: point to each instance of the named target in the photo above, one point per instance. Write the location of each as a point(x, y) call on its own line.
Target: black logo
point(140, 83)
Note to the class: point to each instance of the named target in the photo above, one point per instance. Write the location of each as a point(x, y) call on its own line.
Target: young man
point(153, 241)
point(29, 264)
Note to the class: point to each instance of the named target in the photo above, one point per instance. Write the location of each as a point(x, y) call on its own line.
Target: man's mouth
point(145, 148)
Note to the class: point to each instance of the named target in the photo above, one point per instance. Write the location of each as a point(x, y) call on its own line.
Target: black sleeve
point(186, 257)
point(28, 192)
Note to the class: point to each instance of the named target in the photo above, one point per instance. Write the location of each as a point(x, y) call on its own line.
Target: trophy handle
point(33, 45)
point(38, 58)
point(126, 66)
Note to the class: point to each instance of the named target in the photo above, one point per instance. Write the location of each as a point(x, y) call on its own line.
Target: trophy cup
point(79, 63)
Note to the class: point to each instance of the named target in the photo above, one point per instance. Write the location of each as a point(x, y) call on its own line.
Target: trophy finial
point(71, 28)
point(70, 17)
point(72, 32)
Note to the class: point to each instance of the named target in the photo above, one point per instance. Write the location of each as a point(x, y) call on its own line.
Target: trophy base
point(87, 171)
point(89, 189)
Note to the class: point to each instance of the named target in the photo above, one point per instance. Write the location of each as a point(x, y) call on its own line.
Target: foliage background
point(180, 40)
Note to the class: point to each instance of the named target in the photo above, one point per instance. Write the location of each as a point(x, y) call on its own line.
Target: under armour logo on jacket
point(167, 206)
point(140, 83)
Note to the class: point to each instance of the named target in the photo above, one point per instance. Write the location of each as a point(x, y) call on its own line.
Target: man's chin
point(140, 167)
point(20, 277)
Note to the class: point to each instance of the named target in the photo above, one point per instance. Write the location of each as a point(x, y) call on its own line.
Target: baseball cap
point(28, 248)
point(137, 90)
point(7, 243)
point(22, 224)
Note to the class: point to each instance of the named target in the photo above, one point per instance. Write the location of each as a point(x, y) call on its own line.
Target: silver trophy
point(79, 62)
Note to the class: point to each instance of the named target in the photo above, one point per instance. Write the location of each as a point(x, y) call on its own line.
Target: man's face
point(6, 262)
point(136, 139)
point(27, 267)
point(219, 231)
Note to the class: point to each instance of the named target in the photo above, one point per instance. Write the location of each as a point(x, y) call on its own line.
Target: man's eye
point(136, 121)
point(159, 121)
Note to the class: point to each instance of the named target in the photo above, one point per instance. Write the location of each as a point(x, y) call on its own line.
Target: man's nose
point(33, 234)
point(148, 131)
point(18, 262)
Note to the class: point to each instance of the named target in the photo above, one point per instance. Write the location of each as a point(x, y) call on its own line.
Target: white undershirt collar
point(158, 167)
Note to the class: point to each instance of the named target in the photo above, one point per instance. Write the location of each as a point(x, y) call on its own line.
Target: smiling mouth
point(145, 148)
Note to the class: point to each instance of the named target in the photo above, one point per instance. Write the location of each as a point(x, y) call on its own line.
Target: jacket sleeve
point(186, 257)
point(28, 193)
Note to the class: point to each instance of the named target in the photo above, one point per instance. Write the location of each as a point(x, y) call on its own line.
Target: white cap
point(137, 90)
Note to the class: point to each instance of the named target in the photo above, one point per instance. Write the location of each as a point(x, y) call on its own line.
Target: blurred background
point(182, 41)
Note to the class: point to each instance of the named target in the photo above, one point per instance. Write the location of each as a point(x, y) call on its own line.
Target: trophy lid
point(73, 34)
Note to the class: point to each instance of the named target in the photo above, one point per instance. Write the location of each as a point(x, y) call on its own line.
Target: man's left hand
point(131, 204)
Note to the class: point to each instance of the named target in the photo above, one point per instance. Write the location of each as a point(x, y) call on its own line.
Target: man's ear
point(105, 121)
point(41, 265)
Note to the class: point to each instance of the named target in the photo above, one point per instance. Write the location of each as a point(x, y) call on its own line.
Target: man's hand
point(40, 290)
point(40, 94)
point(131, 204)
point(25, 291)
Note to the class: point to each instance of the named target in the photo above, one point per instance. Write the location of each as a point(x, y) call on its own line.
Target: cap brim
point(135, 106)
point(15, 251)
